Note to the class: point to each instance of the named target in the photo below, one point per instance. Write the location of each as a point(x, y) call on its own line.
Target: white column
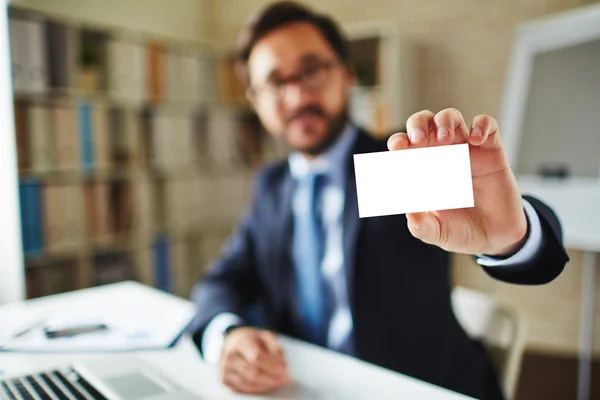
point(12, 273)
point(586, 336)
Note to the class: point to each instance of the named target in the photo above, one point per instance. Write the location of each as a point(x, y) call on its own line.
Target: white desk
point(318, 373)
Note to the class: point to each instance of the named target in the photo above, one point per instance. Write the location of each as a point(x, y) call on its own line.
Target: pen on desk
point(74, 330)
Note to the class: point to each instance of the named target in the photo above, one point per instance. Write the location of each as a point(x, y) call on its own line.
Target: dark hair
point(284, 13)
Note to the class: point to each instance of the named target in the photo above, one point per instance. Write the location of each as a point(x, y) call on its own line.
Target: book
point(18, 31)
point(155, 78)
point(161, 263)
point(97, 212)
point(174, 86)
point(86, 136)
point(145, 220)
point(67, 148)
point(21, 133)
point(100, 137)
point(54, 217)
point(112, 267)
point(58, 54)
point(31, 216)
point(74, 215)
point(58, 277)
point(40, 138)
point(36, 69)
point(121, 206)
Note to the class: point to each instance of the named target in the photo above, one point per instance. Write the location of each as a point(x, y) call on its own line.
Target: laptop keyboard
point(63, 384)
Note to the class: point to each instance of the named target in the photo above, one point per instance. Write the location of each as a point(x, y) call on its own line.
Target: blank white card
point(415, 180)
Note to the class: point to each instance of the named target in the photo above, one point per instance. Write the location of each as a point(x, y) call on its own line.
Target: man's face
point(298, 87)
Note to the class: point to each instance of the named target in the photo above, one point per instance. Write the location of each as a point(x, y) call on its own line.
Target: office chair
point(499, 327)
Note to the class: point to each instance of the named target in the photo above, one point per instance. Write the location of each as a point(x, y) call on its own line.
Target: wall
point(463, 45)
point(182, 19)
point(463, 50)
point(556, 133)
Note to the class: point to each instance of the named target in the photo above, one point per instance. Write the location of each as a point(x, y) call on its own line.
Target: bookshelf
point(385, 66)
point(135, 154)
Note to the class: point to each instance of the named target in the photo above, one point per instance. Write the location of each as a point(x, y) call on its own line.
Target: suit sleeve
point(231, 282)
point(547, 263)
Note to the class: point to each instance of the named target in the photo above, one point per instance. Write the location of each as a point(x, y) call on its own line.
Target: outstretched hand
point(497, 225)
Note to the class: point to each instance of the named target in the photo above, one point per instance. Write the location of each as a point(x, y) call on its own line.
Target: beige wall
point(463, 50)
point(463, 45)
point(180, 19)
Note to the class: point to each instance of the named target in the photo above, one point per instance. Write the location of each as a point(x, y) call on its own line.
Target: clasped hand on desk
point(252, 361)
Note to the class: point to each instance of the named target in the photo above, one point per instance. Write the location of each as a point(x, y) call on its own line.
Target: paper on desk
point(142, 319)
point(415, 180)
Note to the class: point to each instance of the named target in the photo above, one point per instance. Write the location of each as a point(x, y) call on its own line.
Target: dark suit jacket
point(399, 287)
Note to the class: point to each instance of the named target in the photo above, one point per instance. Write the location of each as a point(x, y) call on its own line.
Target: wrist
point(232, 328)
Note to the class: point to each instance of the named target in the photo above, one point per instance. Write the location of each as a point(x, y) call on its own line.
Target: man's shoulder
point(270, 175)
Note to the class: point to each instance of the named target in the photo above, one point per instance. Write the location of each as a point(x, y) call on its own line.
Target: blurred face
point(299, 88)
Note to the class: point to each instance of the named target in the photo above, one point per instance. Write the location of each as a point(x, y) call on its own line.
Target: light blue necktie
point(308, 247)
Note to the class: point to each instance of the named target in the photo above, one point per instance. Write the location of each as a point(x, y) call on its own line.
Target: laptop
point(113, 378)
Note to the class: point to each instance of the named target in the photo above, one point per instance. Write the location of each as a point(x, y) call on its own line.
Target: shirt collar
point(332, 162)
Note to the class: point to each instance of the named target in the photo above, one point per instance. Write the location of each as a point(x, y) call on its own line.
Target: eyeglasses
point(311, 79)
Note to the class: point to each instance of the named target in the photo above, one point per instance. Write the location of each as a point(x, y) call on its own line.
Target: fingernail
point(442, 132)
point(392, 141)
point(476, 131)
point(416, 227)
point(417, 135)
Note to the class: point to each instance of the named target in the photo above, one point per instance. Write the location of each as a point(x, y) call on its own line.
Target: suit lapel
point(352, 223)
point(283, 267)
point(351, 228)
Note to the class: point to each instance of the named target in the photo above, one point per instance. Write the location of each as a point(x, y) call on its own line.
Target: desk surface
point(318, 373)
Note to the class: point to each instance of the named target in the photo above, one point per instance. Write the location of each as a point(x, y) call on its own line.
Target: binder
point(40, 138)
point(31, 216)
point(173, 72)
point(155, 54)
point(160, 253)
point(86, 137)
point(18, 55)
point(57, 54)
point(37, 73)
point(67, 149)
point(100, 136)
point(22, 137)
point(53, 216)
point(139, 71)
point(74, 222)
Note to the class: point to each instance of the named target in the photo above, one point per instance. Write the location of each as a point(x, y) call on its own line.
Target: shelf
point(74, 97)
point(196, 170)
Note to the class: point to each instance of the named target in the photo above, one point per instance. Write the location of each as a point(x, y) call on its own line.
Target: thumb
point(426, 227)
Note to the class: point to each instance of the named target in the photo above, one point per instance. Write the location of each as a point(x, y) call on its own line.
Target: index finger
point(452, 120)
point(420, 129)
point(271, 343)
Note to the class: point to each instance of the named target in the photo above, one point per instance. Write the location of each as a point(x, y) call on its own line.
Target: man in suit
point(375, 288)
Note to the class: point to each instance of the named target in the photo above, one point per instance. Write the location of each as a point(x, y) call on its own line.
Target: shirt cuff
point(212, 338)
point(530, 248)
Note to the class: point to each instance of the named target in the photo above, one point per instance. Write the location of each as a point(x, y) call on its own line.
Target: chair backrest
point(498, 326)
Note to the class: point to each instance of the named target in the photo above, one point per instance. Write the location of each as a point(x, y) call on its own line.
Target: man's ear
point(351, 75)
point(251, 96)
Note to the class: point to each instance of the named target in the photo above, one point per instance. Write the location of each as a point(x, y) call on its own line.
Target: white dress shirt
point(334, 164)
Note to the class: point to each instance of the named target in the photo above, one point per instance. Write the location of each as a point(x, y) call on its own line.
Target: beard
point(335, 124)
